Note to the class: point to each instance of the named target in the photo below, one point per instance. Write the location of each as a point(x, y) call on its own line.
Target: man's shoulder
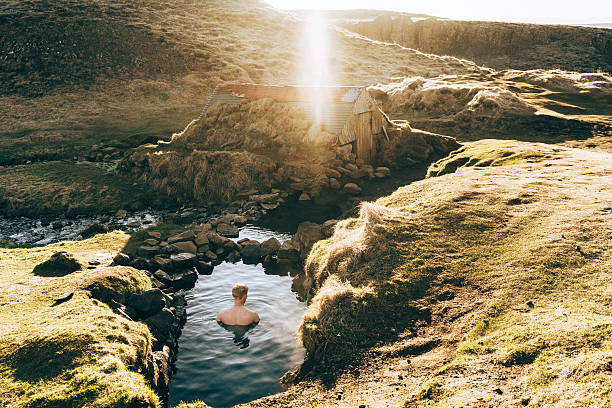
point(254, 316)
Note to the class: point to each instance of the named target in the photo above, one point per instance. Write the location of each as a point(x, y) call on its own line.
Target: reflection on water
point(222, 366)
point(240, 333)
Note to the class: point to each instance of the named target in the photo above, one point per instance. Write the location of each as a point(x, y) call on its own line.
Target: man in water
point(238, 315)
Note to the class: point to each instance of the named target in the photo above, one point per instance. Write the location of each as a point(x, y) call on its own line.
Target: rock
point(184, 279)
point(334, 184)
point(185, 246)
point(64, 297)
point(184, 236)
point(227, 230)
point(182, 261)
point(384, 170)
point(147, 251)
point(288, 253)
point(331, 173)
point(141, 263)
point(233, 257)
point(154, 234)
point(204, 268)
point(328, 227)
point(121, 259)
point(133, 224)
point(240, 220)
point(92, 230)
point(201, 239)
point(160, 325)
point(379, 175)
point(352, 188)
point(367, 171)
point(210, 255)
point(147, 303)
point(304, 197)
point(216, 239)
point(264, 198)
point(151, 241)
point(162, 276)
point(269, 260)
point(251, 253)
point(307, 234)
point(60, 264)
point(161, 263)
point(121, 214)
point(269, 206)
point(351, 167)
point(270, 246)
point(530, 304)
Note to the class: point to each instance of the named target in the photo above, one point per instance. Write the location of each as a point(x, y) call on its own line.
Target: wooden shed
point(347, 111)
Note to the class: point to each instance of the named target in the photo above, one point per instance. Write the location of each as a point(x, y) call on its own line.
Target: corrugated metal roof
point(330, 106)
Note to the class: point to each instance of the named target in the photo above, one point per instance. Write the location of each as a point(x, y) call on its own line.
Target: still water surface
point(224, 368)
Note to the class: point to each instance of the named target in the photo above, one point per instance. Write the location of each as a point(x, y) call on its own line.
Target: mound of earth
point(263, 144)
point(542, 106)
point(488, 285)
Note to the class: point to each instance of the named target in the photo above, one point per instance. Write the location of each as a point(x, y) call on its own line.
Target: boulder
point(151, 242)
point(147, 303)
point(251, 253)
point(240, 220)
point(147, 251)
point(163, 277)
point(384, 170)
point(201, 239)
point(288, 253)
point(271, 206)
point(216, 239)
point(93, 229)
point(331, 173)
point(264, 198)
point(185, 246)
point(204, 268)
point(161, 263)
point(59, 264)
point(352, 188)
point(334, 184)
point(304, 197)
point(185, 279)
point(227, 230)
point(184, 236)
point(121, 259)
point(141, 263)
point(270, 246)
point(351, 167)
point(307, 234)
point(160, 325)
point(154, 234)
point(182, 261)
point(328, 227)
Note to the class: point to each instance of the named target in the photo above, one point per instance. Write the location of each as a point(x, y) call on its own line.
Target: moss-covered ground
point(489, 286)
point(73, 352)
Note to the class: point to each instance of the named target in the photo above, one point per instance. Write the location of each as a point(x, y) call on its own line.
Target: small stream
point(222, 368)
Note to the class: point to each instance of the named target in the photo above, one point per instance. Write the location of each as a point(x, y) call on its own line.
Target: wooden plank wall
point(365, 146)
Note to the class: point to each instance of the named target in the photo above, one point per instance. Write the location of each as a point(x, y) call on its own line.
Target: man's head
point(239, 292)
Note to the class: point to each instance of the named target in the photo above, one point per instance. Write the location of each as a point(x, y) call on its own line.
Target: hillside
point(495, 44)
point(487, 284)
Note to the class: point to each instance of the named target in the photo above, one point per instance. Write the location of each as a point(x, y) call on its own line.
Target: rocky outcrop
point(498, 45)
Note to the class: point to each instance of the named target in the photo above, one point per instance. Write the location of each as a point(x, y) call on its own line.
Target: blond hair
point(240, 290)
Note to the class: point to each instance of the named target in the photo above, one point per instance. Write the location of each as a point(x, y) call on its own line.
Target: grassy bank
point(528, 238)
point(76, 352)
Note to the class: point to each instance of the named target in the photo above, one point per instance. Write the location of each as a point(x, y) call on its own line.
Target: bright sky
point(537, 11)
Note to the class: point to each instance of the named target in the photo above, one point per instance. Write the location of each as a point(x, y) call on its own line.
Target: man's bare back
point(238, 315)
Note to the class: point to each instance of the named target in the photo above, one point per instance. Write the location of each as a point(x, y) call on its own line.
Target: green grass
point(69, 188)
point(530, 225)
point(77, 353)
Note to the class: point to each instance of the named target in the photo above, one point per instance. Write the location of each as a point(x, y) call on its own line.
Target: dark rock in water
point(161, 263)
point(228, 231)
point(307, 234)
point(179, 305)
point(93, 229)
point(233, 257)
point(269, 260)
point(185, 279)
point(147, 303)
point(182, 261)
point(121, 259)
point(160, 324)
point(163, 277)
point(270, 246)
point(60, 264)
point(288, 253)
point(251, 253)
point(204, 268)
point(147, 251)
point(63, 298)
